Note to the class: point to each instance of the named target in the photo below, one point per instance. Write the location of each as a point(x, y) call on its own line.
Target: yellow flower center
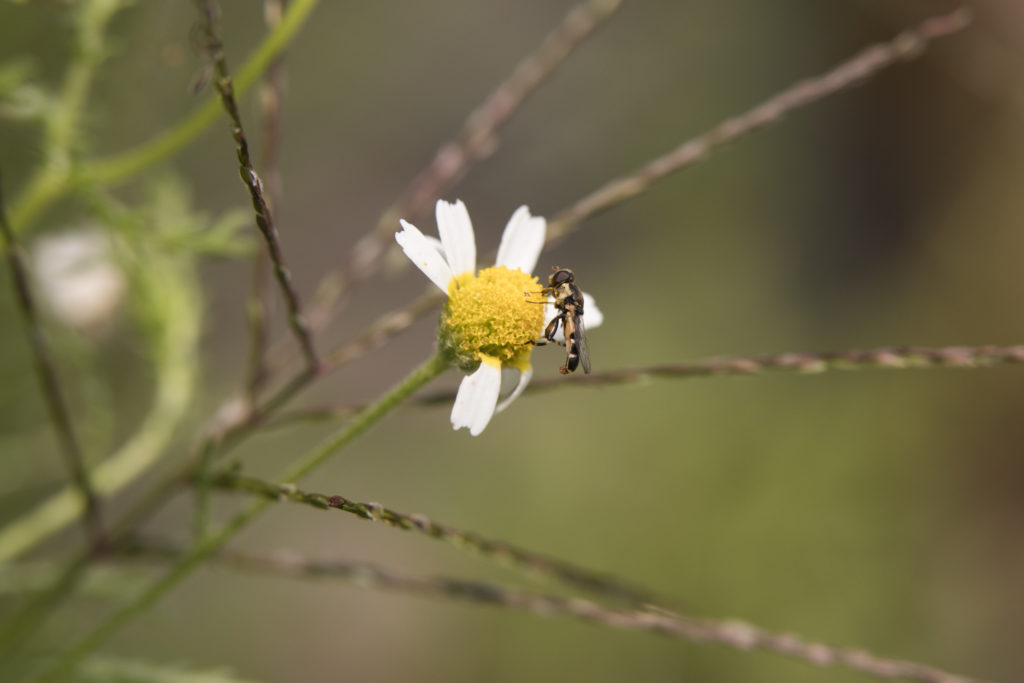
point(494, 313)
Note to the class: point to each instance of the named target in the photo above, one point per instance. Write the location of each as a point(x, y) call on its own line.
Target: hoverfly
point(569, 306)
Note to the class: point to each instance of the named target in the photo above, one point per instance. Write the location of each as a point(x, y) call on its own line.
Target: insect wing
point(581, 344)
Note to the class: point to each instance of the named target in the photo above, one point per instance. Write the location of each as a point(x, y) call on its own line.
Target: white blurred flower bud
point(77, 278)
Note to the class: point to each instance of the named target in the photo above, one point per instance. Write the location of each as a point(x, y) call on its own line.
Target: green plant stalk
point(60, 668)
point(50, 385)
point(175, 385)
point(61, 122)
point(50, 184)
point(25, 622)
point(495, 550)
point(202, 516)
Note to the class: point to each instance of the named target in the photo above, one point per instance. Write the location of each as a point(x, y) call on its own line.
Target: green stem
point(26, 621)
point(49, 184)
point(52, 177)
point(128, 163)
point(60, 668)
point(49, 382)
point(175, 384)
point(202, 517)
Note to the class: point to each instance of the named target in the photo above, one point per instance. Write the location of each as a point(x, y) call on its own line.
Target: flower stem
point(62, 666)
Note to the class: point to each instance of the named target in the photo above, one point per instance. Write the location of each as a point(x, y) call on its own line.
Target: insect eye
point(561, 277)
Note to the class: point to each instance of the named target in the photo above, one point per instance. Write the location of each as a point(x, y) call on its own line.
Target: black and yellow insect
point(569, 306)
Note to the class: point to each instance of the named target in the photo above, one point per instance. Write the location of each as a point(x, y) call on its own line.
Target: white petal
point(421, 252)
point(522, 241)
point(592, 315)
point(456, 231)
point(524, 379)
point(477, 397)
point(436, 244)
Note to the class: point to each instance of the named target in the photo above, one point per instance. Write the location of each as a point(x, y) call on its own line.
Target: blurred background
point(877, 509)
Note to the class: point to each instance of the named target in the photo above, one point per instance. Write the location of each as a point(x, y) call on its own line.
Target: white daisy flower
point(487, 323)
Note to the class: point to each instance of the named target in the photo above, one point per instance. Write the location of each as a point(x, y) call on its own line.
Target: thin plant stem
point(214, 445)
point(201, 513)
point(264, 220)
point(61, 129)
point(884, 358)
point(271, 98)
point(732, 633)
point(375, 335)
point(53, 177)
point(314, 415)
point(227, 433)
point(478, 137)
point(500, 551)
point(63, 665)
point(47, 186)
point(974, 61)
point(383, 329)
point(906, 46)
point(175, 366)
point(49, 383)
point(794, 362)
point(258, 302)
point(26, 621)
point(271, 102)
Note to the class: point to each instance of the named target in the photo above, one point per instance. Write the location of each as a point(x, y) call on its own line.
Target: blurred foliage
point(110, 670)
point(879, 509)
